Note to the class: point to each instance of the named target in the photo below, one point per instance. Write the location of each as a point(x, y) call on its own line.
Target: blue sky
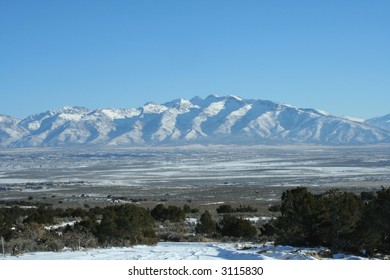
point(326, 54)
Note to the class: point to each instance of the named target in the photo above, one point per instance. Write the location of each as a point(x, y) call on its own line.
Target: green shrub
point(246, 209)
point(295, 226)
point(341, 221)
point(225, 208)
point(171, 213)
point(237, 227)
point(206, 225)
point(274, 208)
point(41, 215)
point(374, 231)
point(126, 225)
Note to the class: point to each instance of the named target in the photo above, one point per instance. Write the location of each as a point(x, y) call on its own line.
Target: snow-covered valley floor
point(185, 251)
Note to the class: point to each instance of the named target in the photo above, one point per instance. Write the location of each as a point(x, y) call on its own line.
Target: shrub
point(274, 208)
point(338, 220)
point(41, 215)
point(237, 227)
point(172, 213)
point(54, 244)
point(295, 226)
point(186, 208)
point(225, 208)
point(206, 225)
point(374, 231)
point(175, 214)
point(126, 225)
point(77, 238)
point(246, 209)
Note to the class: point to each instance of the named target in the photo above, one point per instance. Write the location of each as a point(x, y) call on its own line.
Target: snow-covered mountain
point(219, 120)
point(10, 131)
point(383, 122)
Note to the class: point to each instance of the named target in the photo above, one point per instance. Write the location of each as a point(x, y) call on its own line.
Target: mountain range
point(211, 120)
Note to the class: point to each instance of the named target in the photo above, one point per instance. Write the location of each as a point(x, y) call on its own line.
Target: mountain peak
point(153, 108)
point(181, 104)
point(8, 119)
point(73, 109)
point(382, 122)
point(213, 120)
point(234, 97)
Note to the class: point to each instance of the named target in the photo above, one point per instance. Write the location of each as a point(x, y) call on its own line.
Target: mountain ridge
point(382, 121)
point(211, 120)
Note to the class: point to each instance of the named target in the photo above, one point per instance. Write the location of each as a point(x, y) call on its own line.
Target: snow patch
point(153, 108)
point(353, 119)
point(186, 251)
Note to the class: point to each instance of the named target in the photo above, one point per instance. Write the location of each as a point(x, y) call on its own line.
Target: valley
point(202, 176)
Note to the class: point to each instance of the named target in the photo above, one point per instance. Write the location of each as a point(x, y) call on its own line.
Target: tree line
point(119, 225)
point(341, 221)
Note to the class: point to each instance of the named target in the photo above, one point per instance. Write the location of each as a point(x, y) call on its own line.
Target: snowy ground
point(185, 251)
point(206, 165)
point(202, 174)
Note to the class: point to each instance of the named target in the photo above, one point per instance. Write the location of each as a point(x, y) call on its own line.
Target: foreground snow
point(184, 251)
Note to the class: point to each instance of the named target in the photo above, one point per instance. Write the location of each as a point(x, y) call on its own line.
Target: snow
point(185, 251)
point(383, 122)
point(181, 105)
point(236, 97)
point(71, 117)
point(118, 113)
point(168, 126)
point(153, 108)
point(232, 118)
point(214, 108)
point(191, 221)
point(34, 125)
point(263, 125)
point(322, 112)
point(354, 119)
point(194, 134)
point(62, 225)
point(257, 219)
point(196, 121)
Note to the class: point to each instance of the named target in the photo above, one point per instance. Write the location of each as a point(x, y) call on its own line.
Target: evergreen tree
point(172, 213)
point(237, 227)
point(126, 225)
point(374, 231)
point(225, 208)
point(337, 218)
point(295, 226)
point(206, 225)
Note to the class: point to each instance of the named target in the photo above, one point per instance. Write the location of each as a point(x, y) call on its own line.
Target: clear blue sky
point(325, 54)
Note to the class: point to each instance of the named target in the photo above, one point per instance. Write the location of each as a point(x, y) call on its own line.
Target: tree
point(337, 219)
point(172, 213)
point(225, 208)
point(331, 219)
point(295, 226)
point(374, 230)
point(126, 225)
point(5, 225)
point(206, 225)
point(175, 214)
point(159, 212)
point(237, 227)
point(41, 215)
